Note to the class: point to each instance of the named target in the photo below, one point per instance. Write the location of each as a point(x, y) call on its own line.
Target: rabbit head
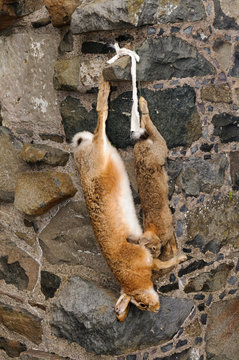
point(144, 299)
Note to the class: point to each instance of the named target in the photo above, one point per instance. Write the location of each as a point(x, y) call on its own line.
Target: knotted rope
point(135, 128)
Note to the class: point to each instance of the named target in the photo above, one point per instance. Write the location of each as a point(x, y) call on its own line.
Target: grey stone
point(34, 153)
point(226, 127)
point(120, 14)
point(69, 238)
point(66, 44)
point(28, 79)
point(10, 164)
point(84, 313)
point(101, 15)
point(76, 118)
point(167, 108)
point(200, 175)
point(223, 330)
point(222, 21)
point(37, 192)
point(66, 74)
point(214, 280)
point(162, 59)
point(215, 220)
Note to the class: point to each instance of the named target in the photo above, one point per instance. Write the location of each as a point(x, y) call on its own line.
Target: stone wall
point(56, 292)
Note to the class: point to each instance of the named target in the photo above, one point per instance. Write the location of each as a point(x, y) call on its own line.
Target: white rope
point(135, 119)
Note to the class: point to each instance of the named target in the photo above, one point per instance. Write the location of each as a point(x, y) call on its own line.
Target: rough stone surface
point(61, 10)
point(161, 59)
point(13, 348)
point(66, 44)
point(35, 54)
point(76, 118)
point(16, 266)
point(223, 50)
point(167, 108)
point(37, 192)
point(217, 220)
point(109, 15)
point(209, 281)
point(66, 74)
point(84, 313)
point(226, 127)
point(40, 355)
point(223, 330)
point(34, 153)
point(225, 19)
point(200, 175)
point(217, 93)
point(235, 69)
point(12, 10)
point(10, 164)
point(69, 238)
point(234, 166)
point(49, 284)
point(22, 322)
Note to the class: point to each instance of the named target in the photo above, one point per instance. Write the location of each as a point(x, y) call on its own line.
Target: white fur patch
point(84, 135)
point(125, 197)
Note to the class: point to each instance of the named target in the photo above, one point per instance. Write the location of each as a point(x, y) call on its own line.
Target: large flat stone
point(200, 175)
point(223, 330)
point(167, 108)
point(162, 59)
point(22, 322)
point(213, 280)
point(121, 14)
point(35, 153)
point(28, 58)
point(214, 221)
point(84, 313)
point(69, 238)
point(37, 192)
point(10, 164)
point(217, 93)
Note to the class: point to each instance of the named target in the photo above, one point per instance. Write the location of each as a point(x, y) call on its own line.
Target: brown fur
point(150, 156)
point(101, 175)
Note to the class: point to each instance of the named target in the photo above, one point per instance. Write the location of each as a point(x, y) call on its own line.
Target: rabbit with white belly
point(110, 204)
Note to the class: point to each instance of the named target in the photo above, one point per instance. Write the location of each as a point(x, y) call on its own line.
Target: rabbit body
point(150, 155)
point(110, 204)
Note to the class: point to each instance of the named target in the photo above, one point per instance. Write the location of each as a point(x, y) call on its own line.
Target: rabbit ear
point(122, 307)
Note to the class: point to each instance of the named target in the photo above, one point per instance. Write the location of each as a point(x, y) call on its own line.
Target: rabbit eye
point(142, 305)
point(153, 248)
